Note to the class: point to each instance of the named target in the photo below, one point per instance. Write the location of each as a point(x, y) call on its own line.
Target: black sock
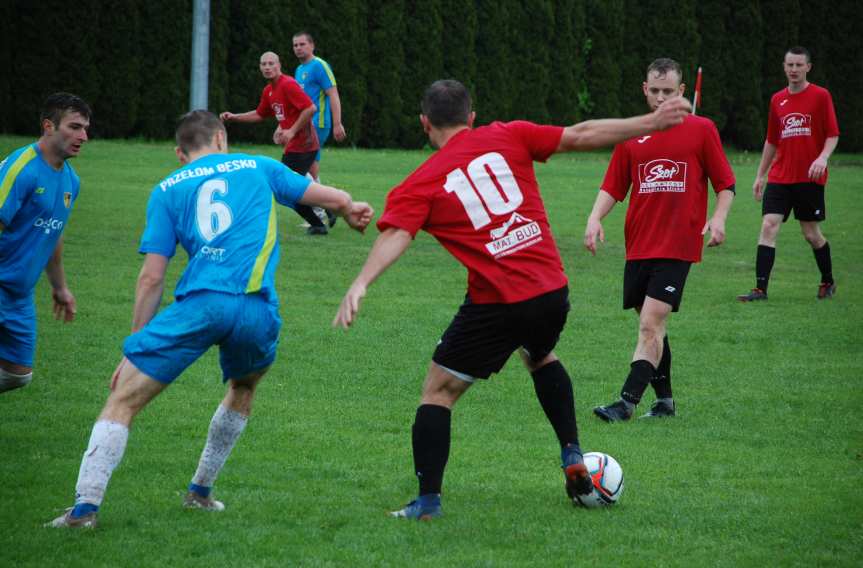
point(554, 392)
point(763, 265)
point(640, 374)
point(825, 264)
point(431, 436)
point(662, 381)
point(308, 214)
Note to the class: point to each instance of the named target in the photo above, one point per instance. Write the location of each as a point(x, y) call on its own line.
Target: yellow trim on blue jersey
point(328, 71)
point(257, 277)
point(13, 171)
point(322, 114)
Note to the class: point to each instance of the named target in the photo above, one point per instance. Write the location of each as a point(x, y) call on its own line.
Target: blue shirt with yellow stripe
point(316, 77)
point(35, 202)
point(221, 208)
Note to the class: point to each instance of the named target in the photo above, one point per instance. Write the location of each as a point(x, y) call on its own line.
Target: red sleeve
point(618, 178)
point(541, 141)
point(264, 109)
point(715, 162)
point(772, 124)
point(406, 208)
point(831, 125)
point(295, 95)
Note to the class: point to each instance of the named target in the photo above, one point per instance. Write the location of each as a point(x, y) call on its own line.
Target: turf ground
point(763, 465)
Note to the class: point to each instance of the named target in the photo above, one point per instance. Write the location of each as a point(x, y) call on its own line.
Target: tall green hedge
point(553, 61)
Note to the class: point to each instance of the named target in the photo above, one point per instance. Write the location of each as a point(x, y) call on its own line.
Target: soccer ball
point(607, 477)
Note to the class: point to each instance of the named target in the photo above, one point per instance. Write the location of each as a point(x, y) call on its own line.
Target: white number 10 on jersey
point(478, 192)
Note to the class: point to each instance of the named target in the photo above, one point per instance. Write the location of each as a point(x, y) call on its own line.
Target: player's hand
point(717, 231)
point(671, 112)
point(65, 307)
point(339, 132)
point(282, 137)
point(591, 232)
point(116, 374)
point(359, 216)
point(277, 136)
point(758, 188)
point(817, 169)
point(227, 116)
point(350, 306)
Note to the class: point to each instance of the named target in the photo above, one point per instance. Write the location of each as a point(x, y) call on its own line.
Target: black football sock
point(661, 382)
point(554, 392)
point(308, 214)
point(640, 374)
point(825, 264)
point(763, 266)
point(431, 437)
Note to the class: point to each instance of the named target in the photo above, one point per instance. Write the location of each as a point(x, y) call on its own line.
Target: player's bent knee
point(11, 381)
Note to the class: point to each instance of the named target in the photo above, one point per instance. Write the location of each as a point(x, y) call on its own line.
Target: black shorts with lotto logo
point(481, 337)
point(662, 279)
point(806, 199)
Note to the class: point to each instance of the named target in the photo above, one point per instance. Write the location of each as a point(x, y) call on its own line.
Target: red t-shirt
point(285, 101)
point(798, 125)
point(479, 198)
point(668, 172)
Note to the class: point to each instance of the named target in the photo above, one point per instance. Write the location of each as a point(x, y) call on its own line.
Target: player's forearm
point(335, 106)
point(388, 247)
point(302, 120)
point(327, 197)
point(767, 156)
point(723, 204)
point(54, 268)
point(148, 291)
point(602, 206)
point(251, 116)
point(829, 147)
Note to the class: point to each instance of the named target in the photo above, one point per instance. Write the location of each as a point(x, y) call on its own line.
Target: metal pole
point(200, 55)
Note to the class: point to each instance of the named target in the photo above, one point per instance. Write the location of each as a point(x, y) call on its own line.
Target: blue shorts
point(323, 136)
point(244, 326)
point(17, 329)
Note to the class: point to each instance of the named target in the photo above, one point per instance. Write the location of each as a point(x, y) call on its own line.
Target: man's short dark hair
point(800, 50)
point(305, 33)
point(196, 129)
point(446, 103)
point(58, 104)
point(663, 66)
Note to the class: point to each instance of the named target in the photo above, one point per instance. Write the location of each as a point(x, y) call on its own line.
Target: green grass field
point(762, 467)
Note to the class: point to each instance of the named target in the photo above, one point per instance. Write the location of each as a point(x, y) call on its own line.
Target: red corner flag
point(696, 99)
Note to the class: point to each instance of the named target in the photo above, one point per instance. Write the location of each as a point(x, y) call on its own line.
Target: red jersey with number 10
point(668, 172)
point(478, 196)
point(798, 125)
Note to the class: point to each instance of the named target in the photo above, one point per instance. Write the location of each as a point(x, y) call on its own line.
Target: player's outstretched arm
point(357, 214)
point(601, 207)
point(250, 116)
point(592, 134)
point(388, 247)
point(65, 306)
point(148, 291)
point(716, 224)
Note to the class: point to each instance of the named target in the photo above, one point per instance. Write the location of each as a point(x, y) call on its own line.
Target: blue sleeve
point(322, 77)
point(159, 236)
point(287, 185)
point(14, 190)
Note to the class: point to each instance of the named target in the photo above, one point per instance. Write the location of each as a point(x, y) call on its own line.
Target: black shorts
point(806, 199)
point(481, 337)
point(300, 162)
point(662, 279)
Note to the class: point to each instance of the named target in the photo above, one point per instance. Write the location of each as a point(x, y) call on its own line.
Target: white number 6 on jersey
point(214, 217)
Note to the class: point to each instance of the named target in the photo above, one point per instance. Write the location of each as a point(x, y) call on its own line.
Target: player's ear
point(644, 87)
point(184, 159)
point(470, 118)
point(48, 127)
point(681, 89)
point(426, 123)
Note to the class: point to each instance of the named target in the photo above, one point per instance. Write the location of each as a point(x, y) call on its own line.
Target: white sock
point(10, 381)
point(225, 428)
point(104, 452)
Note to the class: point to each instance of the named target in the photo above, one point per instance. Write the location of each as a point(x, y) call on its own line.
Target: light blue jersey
point(221, 209)
point(316, 77)
point(35, 202)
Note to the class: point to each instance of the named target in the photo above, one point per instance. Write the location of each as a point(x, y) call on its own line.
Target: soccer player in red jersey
point(664, 228)
point(285, 99)
point(802, 133)
point(478, 196)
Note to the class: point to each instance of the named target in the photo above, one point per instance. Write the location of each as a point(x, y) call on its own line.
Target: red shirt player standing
point(665, 224)
point(478, 196)
point(802, 133)
point(284, 99)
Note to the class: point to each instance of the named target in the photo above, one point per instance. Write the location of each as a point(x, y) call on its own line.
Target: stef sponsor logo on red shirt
point(662, 175)
point(796, 124)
